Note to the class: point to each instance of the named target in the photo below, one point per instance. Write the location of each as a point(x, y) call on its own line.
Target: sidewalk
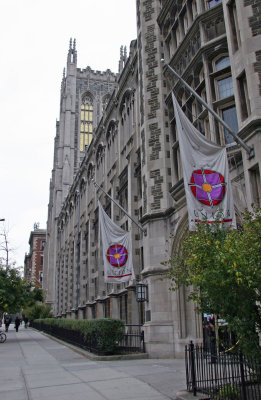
point(35, 367)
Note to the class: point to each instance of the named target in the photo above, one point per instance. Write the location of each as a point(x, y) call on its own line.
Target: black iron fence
point(228, 375)
point(223, 335)
point(132, 342)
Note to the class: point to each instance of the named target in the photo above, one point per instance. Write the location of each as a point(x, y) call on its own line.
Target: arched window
point(105, 102)
point(222, 62)
point(111, 131)
point(90, 172)
point(99, 155)
point(224, 91)
point(223, 80)
point(126, 112)
point(213, 3)
point(86, 122)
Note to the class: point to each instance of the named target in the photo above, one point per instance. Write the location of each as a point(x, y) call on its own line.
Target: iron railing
point(228, 375)
point(132, 342)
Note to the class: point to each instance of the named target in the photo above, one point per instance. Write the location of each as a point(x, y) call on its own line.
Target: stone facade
point(134, 156)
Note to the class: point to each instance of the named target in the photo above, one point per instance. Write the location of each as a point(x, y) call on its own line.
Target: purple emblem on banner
point(117, 255)
point(208, 186)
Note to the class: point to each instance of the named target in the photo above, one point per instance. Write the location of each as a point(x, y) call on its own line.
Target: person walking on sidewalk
point(17, 323)
point(7, 321)
point(26, 320)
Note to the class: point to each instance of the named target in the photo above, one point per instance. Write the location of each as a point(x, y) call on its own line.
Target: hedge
point(107, 331)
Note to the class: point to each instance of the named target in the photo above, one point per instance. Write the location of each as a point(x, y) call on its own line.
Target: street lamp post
point(141, 297)
point(141, 292)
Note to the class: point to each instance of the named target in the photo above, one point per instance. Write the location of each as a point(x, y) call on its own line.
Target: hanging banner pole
point(249, 150)
point(122, 209)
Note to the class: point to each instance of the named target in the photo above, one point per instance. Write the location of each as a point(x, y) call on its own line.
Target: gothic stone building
point(119, 129)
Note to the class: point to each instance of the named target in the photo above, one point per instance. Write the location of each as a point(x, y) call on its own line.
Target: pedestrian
point(25, 322)
point(7, 321)
point(212, 334)
point(17, 323)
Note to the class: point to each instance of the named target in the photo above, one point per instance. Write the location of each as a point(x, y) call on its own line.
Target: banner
point(206, 175)
point(117, 250)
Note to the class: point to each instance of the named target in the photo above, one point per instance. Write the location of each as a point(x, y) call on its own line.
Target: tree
point(223, 269)
point(4, 247)
point(15, 292)
point(38, 311)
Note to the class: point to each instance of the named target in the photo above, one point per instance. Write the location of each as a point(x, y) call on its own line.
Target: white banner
point(117, 250)
point(206, 175)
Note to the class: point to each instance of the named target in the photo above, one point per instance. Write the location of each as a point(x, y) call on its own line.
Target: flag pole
point(249, 150)
point(125, 212)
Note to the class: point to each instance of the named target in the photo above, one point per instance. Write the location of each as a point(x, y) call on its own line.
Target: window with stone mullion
point(213, 3)
point(86, 122)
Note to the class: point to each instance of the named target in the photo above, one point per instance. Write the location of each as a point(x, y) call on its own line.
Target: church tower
point(66, 146)
point(84, 96)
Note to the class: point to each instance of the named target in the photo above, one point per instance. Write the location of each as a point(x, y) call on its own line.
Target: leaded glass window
point(229, 115)
point(225, 87)
point(213, 3)
point(222, 62)
point(86, 122)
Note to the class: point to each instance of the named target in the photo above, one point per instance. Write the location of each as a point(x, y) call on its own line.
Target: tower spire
point(72, 53)
point(63, 79)
point(121, 60)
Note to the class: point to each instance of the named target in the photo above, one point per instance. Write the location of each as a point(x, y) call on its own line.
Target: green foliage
point(11, 289)
point(107, 330)
point(15, 293)
point(37, 311)
point(223, 268)
point(229, 392)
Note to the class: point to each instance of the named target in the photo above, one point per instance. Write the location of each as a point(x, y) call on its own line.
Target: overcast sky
point(35, 38)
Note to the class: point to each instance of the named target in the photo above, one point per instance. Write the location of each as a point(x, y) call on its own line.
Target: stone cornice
point(202, 18)
point(250, 129)
point(177, 191)
point(157, 215)
point(164, 11)
point(154, 270)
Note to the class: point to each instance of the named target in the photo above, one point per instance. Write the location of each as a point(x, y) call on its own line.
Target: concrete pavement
point(35, 367)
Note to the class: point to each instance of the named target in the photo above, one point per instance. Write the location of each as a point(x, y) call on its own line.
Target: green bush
point(37, 311)
point(107, 331)
point(229, 392)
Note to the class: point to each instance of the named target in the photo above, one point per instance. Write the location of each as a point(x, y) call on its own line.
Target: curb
point(184, 395)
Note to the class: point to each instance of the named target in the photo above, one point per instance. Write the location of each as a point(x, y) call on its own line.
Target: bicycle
point(2, 337)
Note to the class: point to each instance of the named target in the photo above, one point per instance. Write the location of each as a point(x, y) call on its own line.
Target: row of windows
point(181, 17)
point(222, 89)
